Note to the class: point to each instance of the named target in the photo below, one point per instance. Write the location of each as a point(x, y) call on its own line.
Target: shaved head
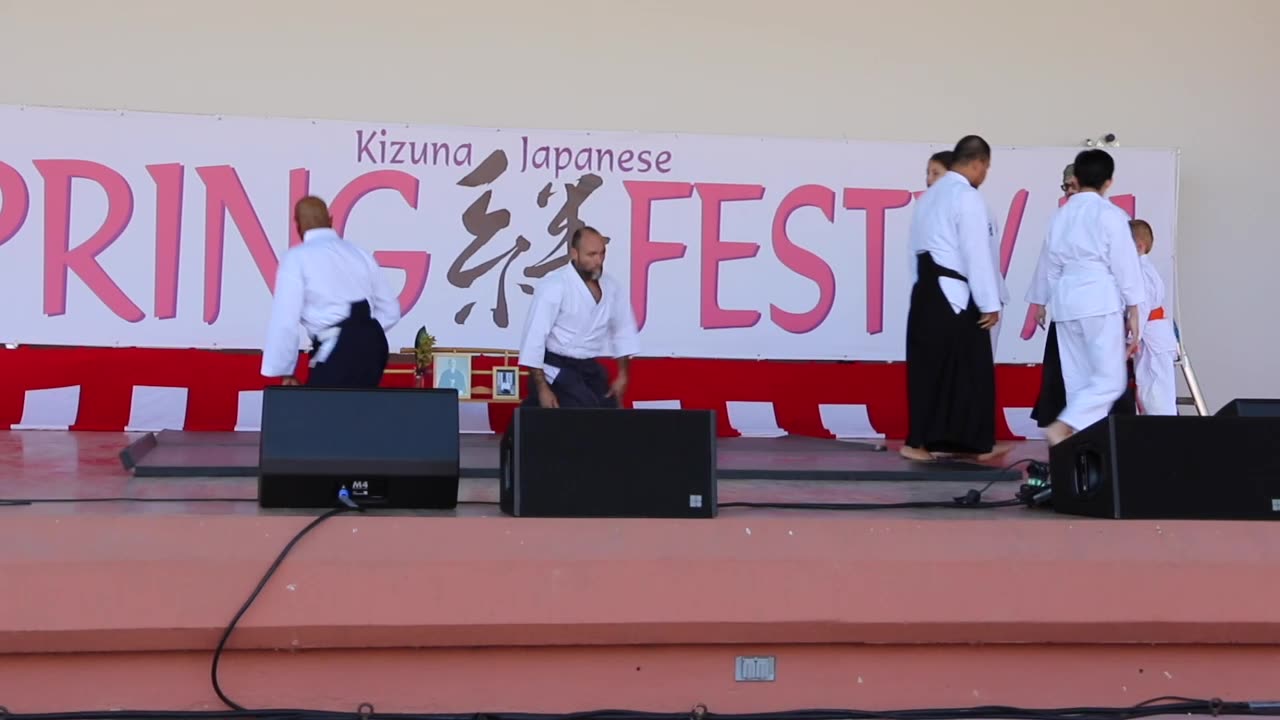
point(587, 249)
point(1143, 235)
point(971, 148)
point(311, 213)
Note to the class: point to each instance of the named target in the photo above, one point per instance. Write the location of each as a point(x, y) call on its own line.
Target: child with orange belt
point(1158, 350)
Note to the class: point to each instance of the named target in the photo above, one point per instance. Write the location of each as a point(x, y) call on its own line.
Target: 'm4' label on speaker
point(359, 487)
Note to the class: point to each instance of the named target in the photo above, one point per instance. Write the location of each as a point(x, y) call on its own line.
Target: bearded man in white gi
point(579, 314)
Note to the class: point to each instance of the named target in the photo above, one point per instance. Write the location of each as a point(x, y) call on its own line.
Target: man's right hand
point(1041, 315)
point(546, 398)
point(989, 320)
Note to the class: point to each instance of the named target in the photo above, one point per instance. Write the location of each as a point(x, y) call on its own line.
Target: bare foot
point(917, 454)
point(998, 451)
point(1057, 432)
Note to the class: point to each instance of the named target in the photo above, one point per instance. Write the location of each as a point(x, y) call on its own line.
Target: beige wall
point(1201, 75)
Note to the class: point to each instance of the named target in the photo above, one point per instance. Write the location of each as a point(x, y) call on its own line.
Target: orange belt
point(1157, 314)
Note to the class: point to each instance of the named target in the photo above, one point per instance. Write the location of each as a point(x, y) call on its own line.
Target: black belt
point(557, 360)
point(926, 266)
point(360, 312)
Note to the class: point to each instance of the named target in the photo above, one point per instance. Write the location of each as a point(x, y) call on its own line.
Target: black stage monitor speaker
point(1250, 407)
point(388, 448)
point(1169, 467)
point(570, 462)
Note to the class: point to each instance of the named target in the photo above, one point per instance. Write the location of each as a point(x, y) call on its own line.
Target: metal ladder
point(1196, 399)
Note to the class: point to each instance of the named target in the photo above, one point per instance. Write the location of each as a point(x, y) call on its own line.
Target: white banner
point(141, 229)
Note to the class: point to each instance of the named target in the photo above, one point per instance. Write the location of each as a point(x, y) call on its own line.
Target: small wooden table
point(476, 393)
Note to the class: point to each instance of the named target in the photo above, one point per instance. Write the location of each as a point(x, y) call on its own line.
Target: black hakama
point(578, 384)
point(1053, 390)
point(951, 379)
point(359, 356)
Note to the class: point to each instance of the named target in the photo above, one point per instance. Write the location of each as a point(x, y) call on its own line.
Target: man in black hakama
point(337, 292)
point(579, 314)
point(950, 370)
point(955, 302)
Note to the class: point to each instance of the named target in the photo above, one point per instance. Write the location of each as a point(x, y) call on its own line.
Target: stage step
point(174, 453)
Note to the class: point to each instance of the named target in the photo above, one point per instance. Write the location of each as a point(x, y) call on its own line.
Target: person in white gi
point(956, 299)
point(1153, 366)
point(579, 314)
point(939, 164)
point(1090, 265)
point(1052, 397)
point(337, 292)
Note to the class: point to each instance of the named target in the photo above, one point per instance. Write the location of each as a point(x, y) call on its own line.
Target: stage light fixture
point(1104, 140)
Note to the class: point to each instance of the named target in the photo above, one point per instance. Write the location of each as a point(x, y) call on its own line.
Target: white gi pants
point(1157, 383)
point(1094, 370)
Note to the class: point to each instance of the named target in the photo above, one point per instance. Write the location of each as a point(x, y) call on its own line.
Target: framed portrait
point(452, 370)
point(506, 383)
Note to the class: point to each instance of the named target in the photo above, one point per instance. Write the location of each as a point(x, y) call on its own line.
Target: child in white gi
point(1158, 348)
point(1091, 268)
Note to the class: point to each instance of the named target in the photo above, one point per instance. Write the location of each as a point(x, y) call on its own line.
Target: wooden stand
point(477, 393)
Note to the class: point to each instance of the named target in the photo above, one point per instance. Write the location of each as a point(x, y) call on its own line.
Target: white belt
point(328, 339)
point(1086, 269)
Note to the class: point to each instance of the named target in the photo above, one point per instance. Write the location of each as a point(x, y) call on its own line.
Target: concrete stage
point(119, 604)
point(235, 454)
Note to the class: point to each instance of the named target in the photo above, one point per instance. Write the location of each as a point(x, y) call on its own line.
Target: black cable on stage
point(226, 634)
point(922, 504)
point(22, 502)
point(1155, 707)
point(971, 500)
